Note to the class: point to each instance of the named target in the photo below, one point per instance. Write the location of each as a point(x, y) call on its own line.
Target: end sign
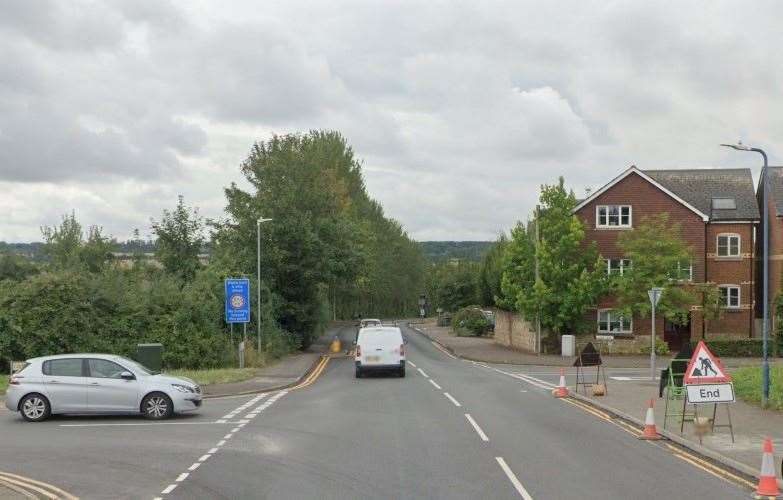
point(237, 300)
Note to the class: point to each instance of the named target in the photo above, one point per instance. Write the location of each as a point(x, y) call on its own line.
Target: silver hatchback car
point(97, 383)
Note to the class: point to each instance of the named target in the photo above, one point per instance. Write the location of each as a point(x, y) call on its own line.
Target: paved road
point(450, 429)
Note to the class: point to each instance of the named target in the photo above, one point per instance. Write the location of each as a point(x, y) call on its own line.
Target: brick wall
point(513, 331)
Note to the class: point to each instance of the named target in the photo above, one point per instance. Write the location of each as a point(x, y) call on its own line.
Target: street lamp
point(765, 321)
point(258, 285)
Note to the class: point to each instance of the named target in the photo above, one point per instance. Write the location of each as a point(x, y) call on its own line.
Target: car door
point(107, 391)
point(66, 386)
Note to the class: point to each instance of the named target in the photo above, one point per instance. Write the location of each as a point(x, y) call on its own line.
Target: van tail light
point(14, 380)
point(402, 349)
point(358, 351)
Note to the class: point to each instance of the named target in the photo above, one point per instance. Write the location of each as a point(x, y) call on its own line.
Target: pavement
point(450, 429)
point(485, 349)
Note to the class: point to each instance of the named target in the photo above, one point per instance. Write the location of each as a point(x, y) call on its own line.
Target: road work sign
point(237, 300)
point(705, 368)
point(710, 393)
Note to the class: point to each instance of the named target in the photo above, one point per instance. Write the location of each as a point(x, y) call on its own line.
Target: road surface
point(451, 429)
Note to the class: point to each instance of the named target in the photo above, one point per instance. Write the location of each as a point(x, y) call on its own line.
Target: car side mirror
point(127, 376)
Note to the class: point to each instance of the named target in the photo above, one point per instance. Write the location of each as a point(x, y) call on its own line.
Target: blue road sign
point(237, 300)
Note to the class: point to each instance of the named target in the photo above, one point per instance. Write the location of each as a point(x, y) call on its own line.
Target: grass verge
point(747, 385)
point(215, 376)
point(3, 383)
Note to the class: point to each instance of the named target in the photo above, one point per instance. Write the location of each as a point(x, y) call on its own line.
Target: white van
point(380, 348)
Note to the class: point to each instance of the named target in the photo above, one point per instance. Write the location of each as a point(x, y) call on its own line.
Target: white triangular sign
point(705, 367)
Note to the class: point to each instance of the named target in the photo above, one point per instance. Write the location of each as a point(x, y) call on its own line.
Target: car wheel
point(358, 372)
point(157, 406)
point(35, 408)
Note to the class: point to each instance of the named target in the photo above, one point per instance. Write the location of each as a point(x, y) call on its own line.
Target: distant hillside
point(439, 251)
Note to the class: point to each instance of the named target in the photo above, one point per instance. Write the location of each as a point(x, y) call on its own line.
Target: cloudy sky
point(460, 110)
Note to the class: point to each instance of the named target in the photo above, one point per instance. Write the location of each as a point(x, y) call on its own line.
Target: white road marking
point(250, 415)
point(227, 436)
point(221, 421)
point(221, 442)
point(169, 489)
point(204, 458)
point(451, 398)
point(444, 351)
point(423, 374)
point(476, 427)
point(513, 478)
point(182, 477)
point(194, 466)
point(412, 364)
point(213, 450)
point(244, 421)
point(522, 390)
point(435, 384)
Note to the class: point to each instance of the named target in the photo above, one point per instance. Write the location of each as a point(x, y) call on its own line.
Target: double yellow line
point(319, 368)
point(31, 488)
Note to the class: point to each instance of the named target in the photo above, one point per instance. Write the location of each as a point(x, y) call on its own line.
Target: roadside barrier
point(561, 391)
point(768, 483)
point(650, 431)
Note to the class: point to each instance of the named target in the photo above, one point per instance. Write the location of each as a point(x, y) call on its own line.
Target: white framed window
point(729, 296)
point(728, 245)
point(683, 271)
point(610, 321)
point(617, 266)
point(613, 216)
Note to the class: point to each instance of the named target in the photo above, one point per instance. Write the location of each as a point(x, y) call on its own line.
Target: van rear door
point(381, 347)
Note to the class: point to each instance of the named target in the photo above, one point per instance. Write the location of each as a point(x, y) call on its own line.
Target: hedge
point(740, 348)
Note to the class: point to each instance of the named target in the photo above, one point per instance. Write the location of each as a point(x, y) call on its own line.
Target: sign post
point(655, 296)
point(706, 382)
point(237, 301)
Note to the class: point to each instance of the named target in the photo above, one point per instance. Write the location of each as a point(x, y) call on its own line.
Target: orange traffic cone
point(650, 432)
point(768, 483)
point(562, 390)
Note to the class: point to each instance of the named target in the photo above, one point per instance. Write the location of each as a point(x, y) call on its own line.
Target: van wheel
point(401, 373)
point(157, 406)
point(358, 372)
point(35, 408)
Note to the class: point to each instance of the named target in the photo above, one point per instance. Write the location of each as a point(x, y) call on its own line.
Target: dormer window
point(613, 216)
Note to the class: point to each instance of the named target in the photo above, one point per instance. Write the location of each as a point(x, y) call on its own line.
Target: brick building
point(718, 214)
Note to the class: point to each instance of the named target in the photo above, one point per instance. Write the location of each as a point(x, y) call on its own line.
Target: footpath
point(284, 373)
point(628, 399)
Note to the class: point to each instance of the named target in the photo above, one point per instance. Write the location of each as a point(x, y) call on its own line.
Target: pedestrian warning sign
point(705, 367)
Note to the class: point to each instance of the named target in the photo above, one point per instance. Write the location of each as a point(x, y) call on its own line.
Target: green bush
point(470, 320)
point(740, 348)
point(661, 348)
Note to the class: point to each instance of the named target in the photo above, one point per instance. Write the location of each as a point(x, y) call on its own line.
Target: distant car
point(369, 322)
point(97, 383)
point(380, 348)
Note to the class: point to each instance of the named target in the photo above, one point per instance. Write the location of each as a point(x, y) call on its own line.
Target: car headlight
point(182, 388)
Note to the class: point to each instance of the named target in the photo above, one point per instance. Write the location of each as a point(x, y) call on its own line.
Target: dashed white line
point(451, 398)
point(422, 372)
point(412, 364)
point(204, 457)
point(435, 384)
point(182, 477)
point(476, 427)
point(169, 489)
point(221, 442)
point(194, 466)
point(513, 478)
point(213, 450)
point(235, 429)
point(227, 436)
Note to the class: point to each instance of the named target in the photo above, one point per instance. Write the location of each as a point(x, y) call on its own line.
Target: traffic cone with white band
point(562, 390)
point(768, 483)
point(650, 431)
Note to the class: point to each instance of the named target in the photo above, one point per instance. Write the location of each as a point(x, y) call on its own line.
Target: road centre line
point(169, 489)
point(227, 436)
point(435, 384)
point(451, 398)
point(513, 478)
point(182, 477)
point(476, 427)
point(194, 466)
point(204, 458)
point(422, 373)
point(221, 442)
point(412, 364)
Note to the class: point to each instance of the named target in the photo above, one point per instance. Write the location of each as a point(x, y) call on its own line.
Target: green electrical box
point(150, 355)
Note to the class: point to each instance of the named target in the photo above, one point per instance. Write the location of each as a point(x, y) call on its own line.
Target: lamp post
point(765, 321)
point(258, 284)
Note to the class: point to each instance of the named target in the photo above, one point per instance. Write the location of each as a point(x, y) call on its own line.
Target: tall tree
point(491, 272)
point(570, 276)
point(180, 235)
